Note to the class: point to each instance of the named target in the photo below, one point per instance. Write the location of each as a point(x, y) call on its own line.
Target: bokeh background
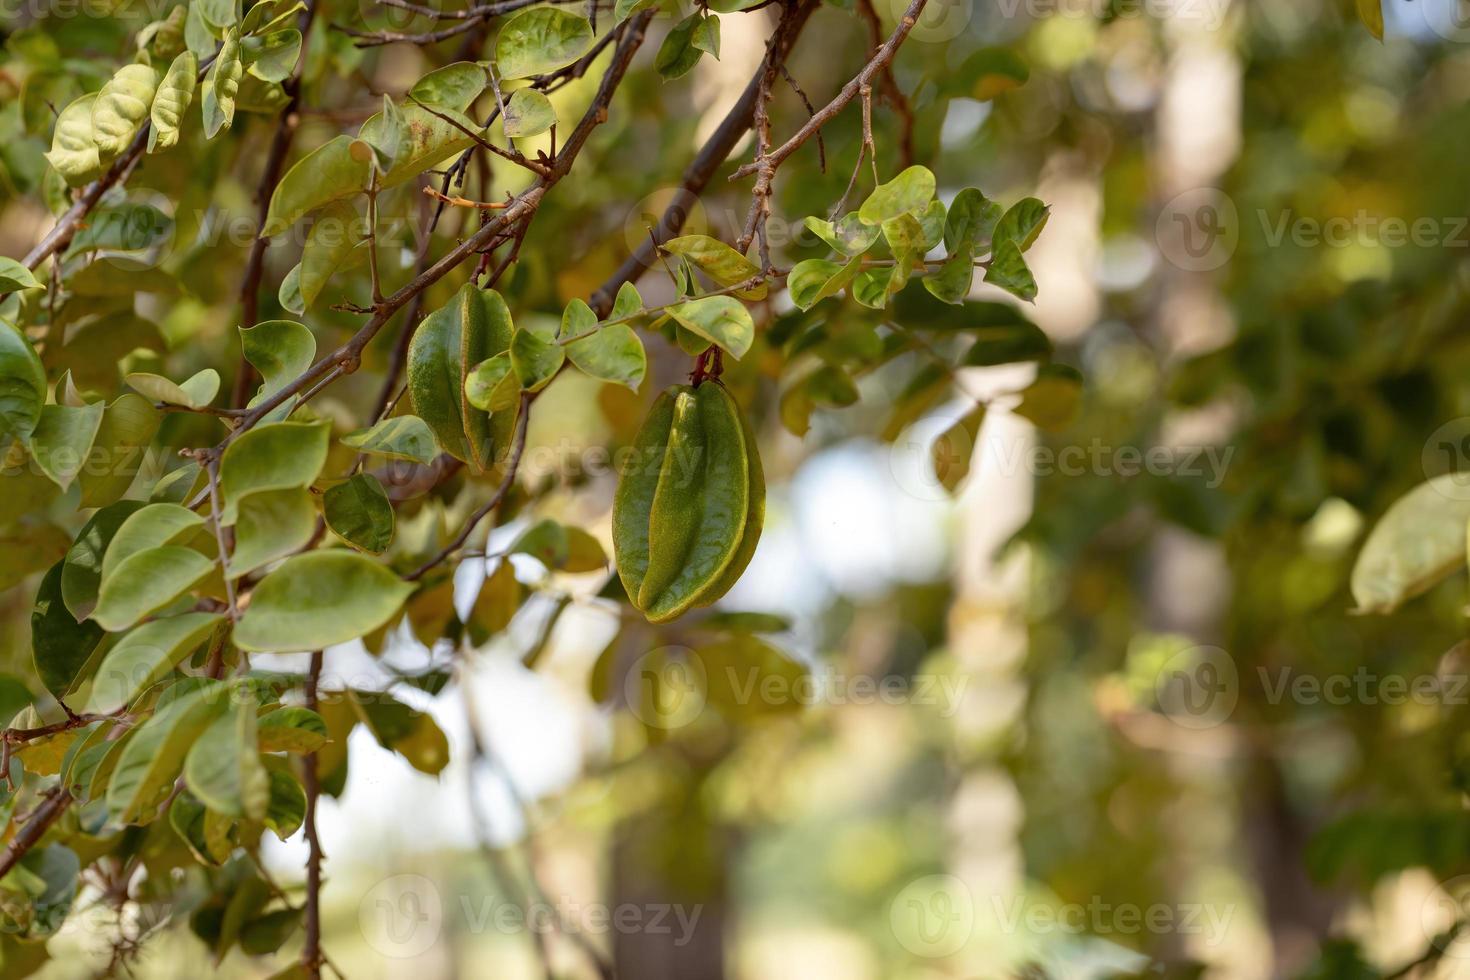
point(1104, 711)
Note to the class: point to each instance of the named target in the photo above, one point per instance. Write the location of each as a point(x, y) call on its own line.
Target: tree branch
point(879, 62)
point(702, 168)
point(270, 176)
point(311, 952)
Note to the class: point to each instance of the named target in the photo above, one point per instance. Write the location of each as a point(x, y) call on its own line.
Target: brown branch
point(701, 169)
point(20, 736)
point(513, 155)
point(879, 62)
point(467, 20)
point(270, 176)
point(311, 952)
point(890, 89)
point(35, 826)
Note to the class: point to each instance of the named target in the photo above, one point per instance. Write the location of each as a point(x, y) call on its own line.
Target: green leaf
point(154, 754)
point(221, 84)
point(1419, 541)
point(953, 452)
point(172, 100)
point(146, 655)
point(535, 359)
point(971, 221)
point(990, 72)
point(82, 573)
point(953, 280)
point(269, 525)
point(121, 108)
point(678, 54)
point(326, 174)
point(73, 151)
point(1008, 343)
point(850, 235)
point(359, 513)
point(22, 386)
point(613, 354)
point(813, 280)
point(623, 9)
point(1370, 12)
point(318, 600)
point(274, 456)
point(492, 386)
point(473, 326)
point(63, 438)
point(1009, 271)
point(287, 809)
point(151, 526)
point(539, 40)
point(145, 582)
point(872, 287)
point(1022, 224)
point(223, 769)
point(1053, 399)
point(281, 350)
point(528, 113)
point(576, 320)
point(707, 36)
point(401, 437)
point(741, 664)
point(291, 729)
point(499, 597)
point(334, 236)
point(455, 86)
point(412, 734)
point(387, 138)
point(60, 646)
point(14, 276)
point(719, 261)
point(911, 190)
point(722, 320)
point(828, 386)
point(118, 452)
point(272, 57)
point(197, 392)
point(628, 303)
point(129, 226)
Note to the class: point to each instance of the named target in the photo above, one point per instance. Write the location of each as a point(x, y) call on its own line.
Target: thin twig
point(507, 480)
point(827, 113)
point(311, 952)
